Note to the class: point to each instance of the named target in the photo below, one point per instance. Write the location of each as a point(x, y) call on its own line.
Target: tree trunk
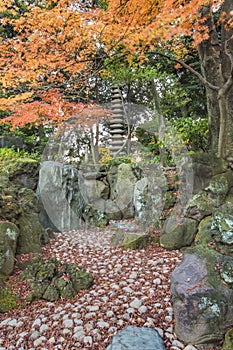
point(209, 54)
point(161, 122)
point(216, 58)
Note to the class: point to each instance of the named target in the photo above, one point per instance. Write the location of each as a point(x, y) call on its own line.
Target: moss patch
point(8, 300)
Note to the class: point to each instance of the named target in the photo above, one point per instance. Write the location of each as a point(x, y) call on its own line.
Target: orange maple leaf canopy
point(58, 43)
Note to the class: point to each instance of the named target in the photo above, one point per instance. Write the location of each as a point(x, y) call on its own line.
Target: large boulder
point(132, 338)
point(202, 296)
point(59, 195)
point(125, 190)
point(149, 200)
point(8, 239)
point(175, 235)
point(32, 234)
point(205, 166)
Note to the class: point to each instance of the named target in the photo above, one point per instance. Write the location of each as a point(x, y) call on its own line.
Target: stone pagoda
point(117, 124)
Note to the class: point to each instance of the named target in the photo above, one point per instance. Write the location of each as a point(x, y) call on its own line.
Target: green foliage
point(32, 139)
point(8, 300)
point(9, 154)
point(194, 133)
point(126, 159)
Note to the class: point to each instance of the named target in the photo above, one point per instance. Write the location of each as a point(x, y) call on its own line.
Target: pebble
point(44, 328)
point(88, 340)
point(136, 303)
point(102, 324)
point(37, 322)
point(68, 323)
point(93, 308)
point(110, 314)
point(142, 309)
point(190, 347)
point(157, 281)
point(39, 341)
point(35, 335)
point(122, 297)
point(178, 344)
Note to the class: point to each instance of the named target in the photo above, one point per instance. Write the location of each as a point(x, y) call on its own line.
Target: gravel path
point(131, 288)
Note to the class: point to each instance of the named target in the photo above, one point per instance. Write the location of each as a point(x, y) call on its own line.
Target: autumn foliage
point(62, 43)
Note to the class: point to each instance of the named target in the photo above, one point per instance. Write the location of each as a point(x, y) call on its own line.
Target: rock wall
point(20, 229)
point(202, 286)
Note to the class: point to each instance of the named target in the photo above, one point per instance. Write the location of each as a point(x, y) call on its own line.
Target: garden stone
point(149, 198)
point(228, 342)
point(50, 280)
point(22, 172)
point(132, 338)
point(204, 235)
point(124, 190)
point(203, 309)
point(8, 239)
point(177, 235)
point(200, 206)
point(220, 185)
point(59, 195)
point(223, 224)
point(205, 166)
point(32, 234)
point(136, 241)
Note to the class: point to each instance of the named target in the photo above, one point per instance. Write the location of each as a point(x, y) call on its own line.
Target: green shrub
point(8, 154)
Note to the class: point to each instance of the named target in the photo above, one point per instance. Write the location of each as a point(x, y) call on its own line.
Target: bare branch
point(186, 66)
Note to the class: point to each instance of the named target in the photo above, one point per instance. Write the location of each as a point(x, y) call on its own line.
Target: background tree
point(61, 44)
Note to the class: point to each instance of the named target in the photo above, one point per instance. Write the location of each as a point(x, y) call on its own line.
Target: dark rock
point(200, 206)
point(50, 280)
point(8, 239)
point(32, 234)
point(205, 166)
point(176, 235)
point(203, 308)
point(22, 172)
point(135, 338)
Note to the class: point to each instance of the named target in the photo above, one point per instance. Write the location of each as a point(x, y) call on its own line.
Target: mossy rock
point(8, 239)
point(32, 234)
point(175, 235)
point(94, 217)
point(204, 231)
point(228, 342)
point(52, 280)
point(22, 172)
point(212, 258)
point(117, 238)
point(136, 241)
point(8, 301)
point(226, 270)
point(220, 185)
point(200, 206)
